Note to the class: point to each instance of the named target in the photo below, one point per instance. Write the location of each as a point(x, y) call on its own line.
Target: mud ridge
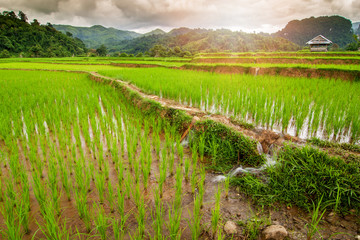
point(346, 75)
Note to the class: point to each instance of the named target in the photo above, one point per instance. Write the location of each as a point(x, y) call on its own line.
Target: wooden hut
point(319, 44)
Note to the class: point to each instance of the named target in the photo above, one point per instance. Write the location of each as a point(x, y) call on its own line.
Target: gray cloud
point(145, 14)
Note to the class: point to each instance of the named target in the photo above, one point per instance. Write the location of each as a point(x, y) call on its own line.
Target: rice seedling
point(162, 170)
point(119, 227)
point(101, 220)
point(53, 228)
point(158, 215)
point(110, 196)
point(13, 225)
point(141, 211)
point(128, 185)
point(195, 221)
point(180, 151)
point(174, 222)
point(22, 209)
point(187, 168)
point(202, 147)
point(215, 213)
point(100, 185)
point(39, 191)
point(193, 181)
point(214, 146)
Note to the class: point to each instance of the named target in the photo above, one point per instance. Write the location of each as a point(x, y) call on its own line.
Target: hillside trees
point(336, 28)
point(18, 37)
point(101, 51)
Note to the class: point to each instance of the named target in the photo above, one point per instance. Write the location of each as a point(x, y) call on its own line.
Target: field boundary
point(347, 75)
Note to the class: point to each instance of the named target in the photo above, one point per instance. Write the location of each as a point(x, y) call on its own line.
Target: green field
point(267, 101)
point(84, 156)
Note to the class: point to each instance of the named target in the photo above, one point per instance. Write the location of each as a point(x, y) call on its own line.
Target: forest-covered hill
point(20, 38)
point(335, 28)
point(95, 36)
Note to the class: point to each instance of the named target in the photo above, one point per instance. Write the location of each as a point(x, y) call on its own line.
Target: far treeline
point(20, 38)
point(205, 40)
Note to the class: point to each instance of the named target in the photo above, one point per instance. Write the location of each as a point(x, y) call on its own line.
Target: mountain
point(207, 40)
point(179, 31)
point(95, 36)
point(20, 38)
point(335, 28)
point(157, 31)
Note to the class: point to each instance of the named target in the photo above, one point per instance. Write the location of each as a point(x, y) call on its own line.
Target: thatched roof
point(320, 39)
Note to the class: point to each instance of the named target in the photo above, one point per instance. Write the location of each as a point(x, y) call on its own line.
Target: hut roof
point(320, 39)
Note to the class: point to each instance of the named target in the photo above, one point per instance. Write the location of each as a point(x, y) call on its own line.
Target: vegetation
point(97, 35)
point(335, 28)
point(20, 38)
point(202, 40)
point(304, 176)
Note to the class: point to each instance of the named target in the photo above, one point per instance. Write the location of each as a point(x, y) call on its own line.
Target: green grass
point(306, 175)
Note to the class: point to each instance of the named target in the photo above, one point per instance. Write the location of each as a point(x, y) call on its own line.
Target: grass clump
point(231, 147)
point(306, 175)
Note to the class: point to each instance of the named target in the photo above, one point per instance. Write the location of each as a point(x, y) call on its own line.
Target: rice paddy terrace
point(173, 148)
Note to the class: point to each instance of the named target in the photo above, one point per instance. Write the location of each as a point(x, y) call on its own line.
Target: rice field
point(300, 106)
point(79, 162)
point(84, 159)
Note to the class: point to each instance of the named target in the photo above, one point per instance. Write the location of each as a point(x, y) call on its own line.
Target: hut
point(319, 44)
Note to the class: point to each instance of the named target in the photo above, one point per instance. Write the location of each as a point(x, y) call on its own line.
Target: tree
point(35, 23)
point(101, 51)
point(158, 51)
point(5, 54)
point(36, 50)
point(22, 16)
point(354, 46)
point(10, 14)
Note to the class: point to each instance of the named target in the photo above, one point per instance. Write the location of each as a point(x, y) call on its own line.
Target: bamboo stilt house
point(319, 44)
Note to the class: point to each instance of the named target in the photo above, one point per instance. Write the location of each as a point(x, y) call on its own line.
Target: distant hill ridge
point(96, 35)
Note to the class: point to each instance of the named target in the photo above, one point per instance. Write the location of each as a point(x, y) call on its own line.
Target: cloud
point(267, 15)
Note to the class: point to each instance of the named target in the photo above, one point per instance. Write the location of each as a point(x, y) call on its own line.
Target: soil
point(274, 54)
point(277, 60)
point(135, 65)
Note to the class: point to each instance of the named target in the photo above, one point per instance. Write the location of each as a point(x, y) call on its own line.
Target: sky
point(145, 15)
